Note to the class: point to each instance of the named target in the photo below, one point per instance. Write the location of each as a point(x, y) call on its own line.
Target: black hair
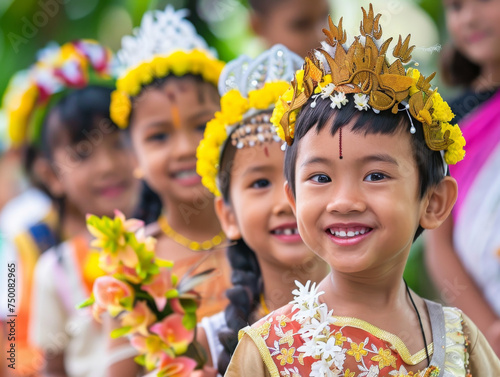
point(264, 6)
point(75, 116)
point(243, 298)
point(245, 277)
point(429, 163)
point(456, 68)
point(150, 205)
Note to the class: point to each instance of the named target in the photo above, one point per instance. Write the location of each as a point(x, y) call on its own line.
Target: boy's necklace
point(416, 311)
point(186, 242)
point(420, 323)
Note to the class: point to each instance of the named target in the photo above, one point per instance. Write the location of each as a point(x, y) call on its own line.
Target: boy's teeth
point(348, 233)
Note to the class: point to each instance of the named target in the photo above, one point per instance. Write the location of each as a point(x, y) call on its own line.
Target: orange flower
point(151, 347)
point(113, 294)
point(160, 287)
point(178, 367)
point(139, 319)
point(173, 333)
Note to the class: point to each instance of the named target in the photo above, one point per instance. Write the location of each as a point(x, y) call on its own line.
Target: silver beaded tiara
point(246, 74)
point(160, 33)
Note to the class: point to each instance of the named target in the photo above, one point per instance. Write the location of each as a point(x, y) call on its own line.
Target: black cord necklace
point(420, 322)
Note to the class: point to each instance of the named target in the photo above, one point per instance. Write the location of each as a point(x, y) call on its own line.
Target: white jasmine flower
point(311, 348)
point(304, 297)
point(329, 349)
point(338, 100)
point(361, 101)
point(321, 369)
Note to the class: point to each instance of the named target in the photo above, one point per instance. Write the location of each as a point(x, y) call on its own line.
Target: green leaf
point(141, 360)
point(86, 303)
point(189, 306)
point(116, 333)
point(189, 321)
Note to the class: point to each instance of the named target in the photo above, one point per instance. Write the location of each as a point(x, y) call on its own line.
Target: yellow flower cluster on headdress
point(178, 63)
point(58, 68)
point(363, 70)
point(233, 109)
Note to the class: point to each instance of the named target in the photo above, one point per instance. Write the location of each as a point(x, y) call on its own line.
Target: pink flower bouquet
point(155, 310)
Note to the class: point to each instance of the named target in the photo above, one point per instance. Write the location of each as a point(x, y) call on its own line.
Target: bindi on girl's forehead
point(266, 151)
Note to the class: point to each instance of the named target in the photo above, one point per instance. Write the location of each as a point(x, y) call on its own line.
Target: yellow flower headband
point(233, 108)
point(179, 63)
point(165, 44)
point(73, 65)
point(363, 70)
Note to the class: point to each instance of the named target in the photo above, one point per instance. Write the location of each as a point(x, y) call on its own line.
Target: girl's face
point(297, 24)
point(95, 175)
point(167, 125)
point(475, 28)
point(259, 212)
point(359, 213)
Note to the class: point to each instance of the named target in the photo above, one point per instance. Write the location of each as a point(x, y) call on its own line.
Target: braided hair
point(246, 277)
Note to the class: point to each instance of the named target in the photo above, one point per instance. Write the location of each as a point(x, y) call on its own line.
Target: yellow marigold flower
point(415, 74)
point(120, 108)
point(442, 111)
point(233, 106)
point(19, 114)
point(455, 151)
point(299, 78)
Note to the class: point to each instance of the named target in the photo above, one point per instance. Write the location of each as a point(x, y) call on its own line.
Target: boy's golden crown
point(363, 70)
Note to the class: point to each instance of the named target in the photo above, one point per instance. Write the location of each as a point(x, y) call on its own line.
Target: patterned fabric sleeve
point(247, 360)
point(482, 359)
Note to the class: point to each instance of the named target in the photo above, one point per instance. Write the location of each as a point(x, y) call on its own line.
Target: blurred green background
point(28, 25)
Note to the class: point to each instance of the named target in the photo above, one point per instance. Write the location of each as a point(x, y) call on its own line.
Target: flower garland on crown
point(361, 69)
point(70, 66)
point(178, 63)
point(156, 311)
point(233, 109)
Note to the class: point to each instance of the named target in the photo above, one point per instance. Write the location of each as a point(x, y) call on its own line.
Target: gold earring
point(138, 174)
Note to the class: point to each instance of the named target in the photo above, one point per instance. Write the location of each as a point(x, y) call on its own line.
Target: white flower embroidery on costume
point(361, 101)
point(402, 372)
point(372, 372)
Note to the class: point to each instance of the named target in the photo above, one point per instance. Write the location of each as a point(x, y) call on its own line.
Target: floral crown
point(362, 69)
point(73, 65)
point(164, 44)
point(248, 88)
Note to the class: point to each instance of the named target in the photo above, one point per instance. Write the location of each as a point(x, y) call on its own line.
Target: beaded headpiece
point(249, 88)
point(73, 65)
point(337, 69)
point(165, 44)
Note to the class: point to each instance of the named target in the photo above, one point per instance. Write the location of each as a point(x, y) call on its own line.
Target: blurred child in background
point(463, 255)
point(82, 161)
point(296, 24)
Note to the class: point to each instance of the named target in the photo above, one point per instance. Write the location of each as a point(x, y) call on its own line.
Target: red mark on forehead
point(340, 143)
point(174, 109)
point(266, 152)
